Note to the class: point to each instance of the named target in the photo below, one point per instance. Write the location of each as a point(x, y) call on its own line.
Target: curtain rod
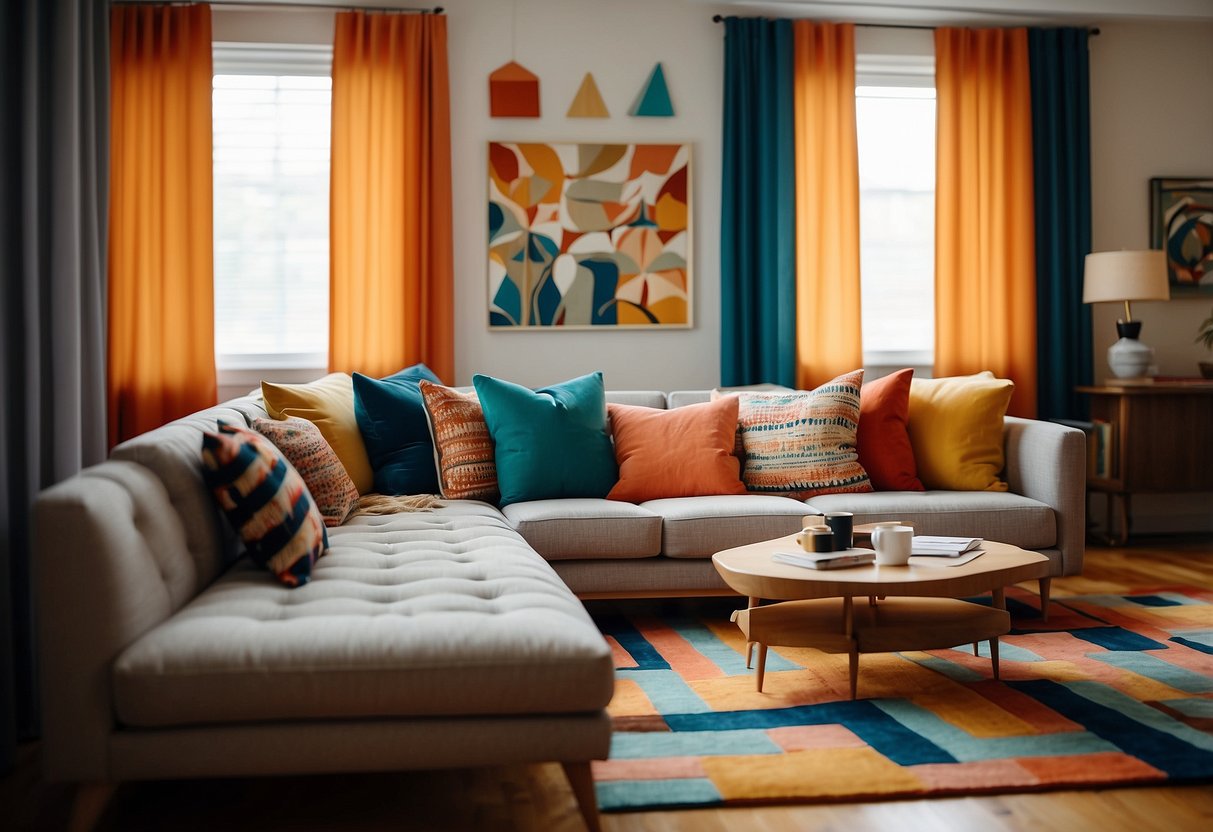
point(716, 18)
point(263, 4)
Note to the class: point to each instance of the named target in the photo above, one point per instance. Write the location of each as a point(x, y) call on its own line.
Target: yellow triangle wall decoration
point(588, 103)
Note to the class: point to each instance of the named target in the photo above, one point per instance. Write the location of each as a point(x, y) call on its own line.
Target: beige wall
point(1150, 116)
point(619, 42)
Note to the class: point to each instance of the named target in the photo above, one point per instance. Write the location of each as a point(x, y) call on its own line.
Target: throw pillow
point(463, 448)
point(684, 452)
point(883, 438)
point(328, 403)
point(392, 420)
point(304, 446)
point(803, 443)
point(956, 426)
point(266, 502)
point(551, 442)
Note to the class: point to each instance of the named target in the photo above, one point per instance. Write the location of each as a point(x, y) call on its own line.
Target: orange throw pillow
point(883, 439)
point(684, 452)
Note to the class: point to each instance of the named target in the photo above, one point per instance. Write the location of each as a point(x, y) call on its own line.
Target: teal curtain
point(1061, 148)
point(757, 225)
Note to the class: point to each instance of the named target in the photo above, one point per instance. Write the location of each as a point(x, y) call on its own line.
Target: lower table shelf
point(846, 625)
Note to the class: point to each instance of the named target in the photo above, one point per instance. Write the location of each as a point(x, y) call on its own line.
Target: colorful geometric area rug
point(1111, 690)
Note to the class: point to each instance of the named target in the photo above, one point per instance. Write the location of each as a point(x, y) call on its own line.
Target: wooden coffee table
point(919, 606)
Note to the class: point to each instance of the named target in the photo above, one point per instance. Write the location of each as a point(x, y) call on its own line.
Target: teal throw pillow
point(551, 442)
point(391, 418)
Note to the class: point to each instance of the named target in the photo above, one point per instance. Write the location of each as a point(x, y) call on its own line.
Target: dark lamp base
point(1128, 329)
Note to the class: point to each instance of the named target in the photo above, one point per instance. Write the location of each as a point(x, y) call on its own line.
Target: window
point(895, 120)
point(271, 109)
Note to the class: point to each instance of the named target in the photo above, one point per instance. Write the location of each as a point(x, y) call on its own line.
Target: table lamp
point(1125, 276)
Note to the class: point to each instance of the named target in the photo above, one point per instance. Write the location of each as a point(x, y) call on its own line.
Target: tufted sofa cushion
point(441, 613)
point(173, 453)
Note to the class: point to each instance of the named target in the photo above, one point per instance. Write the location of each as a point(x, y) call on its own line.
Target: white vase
point(1130, 358)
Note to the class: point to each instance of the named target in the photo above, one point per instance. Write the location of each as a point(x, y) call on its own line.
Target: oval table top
point(749, 570)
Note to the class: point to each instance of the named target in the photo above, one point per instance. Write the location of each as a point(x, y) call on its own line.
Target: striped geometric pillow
point(803, 443)
point(463, 448)
point(266, 502)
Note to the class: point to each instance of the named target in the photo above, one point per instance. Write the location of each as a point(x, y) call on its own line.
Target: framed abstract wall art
point(589, 236)
point(1181, 224)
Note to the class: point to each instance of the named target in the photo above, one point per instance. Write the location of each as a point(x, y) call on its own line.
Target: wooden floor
point(538, 797)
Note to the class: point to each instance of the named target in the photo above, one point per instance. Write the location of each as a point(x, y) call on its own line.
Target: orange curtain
point(985, 274)
point(161, 357)
point(391, 298)
point(828, 336)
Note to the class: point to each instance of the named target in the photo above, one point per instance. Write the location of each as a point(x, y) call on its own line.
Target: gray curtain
point(54, 161)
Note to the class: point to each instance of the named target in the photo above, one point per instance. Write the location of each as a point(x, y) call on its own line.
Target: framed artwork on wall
point(1181, 224)
point(589, 236)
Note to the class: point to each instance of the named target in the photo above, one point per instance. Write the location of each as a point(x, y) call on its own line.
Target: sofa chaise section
point(424, 640)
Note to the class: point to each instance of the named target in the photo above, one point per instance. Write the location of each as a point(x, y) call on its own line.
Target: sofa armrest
point(111, 564)
point(1047, 462)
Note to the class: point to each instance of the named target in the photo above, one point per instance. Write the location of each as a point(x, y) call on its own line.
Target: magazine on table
point(944, 547)
point(826, 560)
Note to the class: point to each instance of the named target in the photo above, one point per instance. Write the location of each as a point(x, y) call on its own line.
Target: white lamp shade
point(1125, 275)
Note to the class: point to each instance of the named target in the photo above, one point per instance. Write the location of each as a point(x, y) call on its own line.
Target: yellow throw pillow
point(956, 431)
point(328, 403)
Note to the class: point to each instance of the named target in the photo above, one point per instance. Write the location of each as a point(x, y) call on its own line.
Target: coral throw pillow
point(463, 449)
point(956, 426)
point(328, 403)
point(803, 443)
point(684, 452)
point(304, 446)
point(883, 437)
point(391, 418)
point(551, 442)
point(266, 502)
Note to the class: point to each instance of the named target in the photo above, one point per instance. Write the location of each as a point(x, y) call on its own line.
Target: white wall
point(619, 42)
point(1150, 116)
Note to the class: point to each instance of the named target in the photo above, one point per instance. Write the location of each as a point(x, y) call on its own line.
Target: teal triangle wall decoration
point(654, 98)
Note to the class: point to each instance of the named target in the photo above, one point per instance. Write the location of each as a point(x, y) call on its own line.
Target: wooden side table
point(1162, 442)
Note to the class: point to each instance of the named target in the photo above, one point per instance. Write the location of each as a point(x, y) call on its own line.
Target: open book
point(946, 547)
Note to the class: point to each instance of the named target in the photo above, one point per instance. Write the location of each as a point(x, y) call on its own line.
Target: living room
point(1146, 122)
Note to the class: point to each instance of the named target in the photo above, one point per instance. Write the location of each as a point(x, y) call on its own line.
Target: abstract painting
point(1181, 218)
point(589, 235)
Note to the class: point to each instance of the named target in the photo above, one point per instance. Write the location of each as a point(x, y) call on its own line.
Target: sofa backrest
point(173, 454)
point(640, 398)
point(681, 398)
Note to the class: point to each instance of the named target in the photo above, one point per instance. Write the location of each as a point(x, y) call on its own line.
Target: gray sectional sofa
point(444, 638)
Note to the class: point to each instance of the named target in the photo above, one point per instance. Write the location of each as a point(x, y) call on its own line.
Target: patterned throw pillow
point(463, 448)
point(803, 443)
point(266, 502)
point(305, 447)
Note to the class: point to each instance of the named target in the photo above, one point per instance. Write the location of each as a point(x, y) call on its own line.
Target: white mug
point(893, 544)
